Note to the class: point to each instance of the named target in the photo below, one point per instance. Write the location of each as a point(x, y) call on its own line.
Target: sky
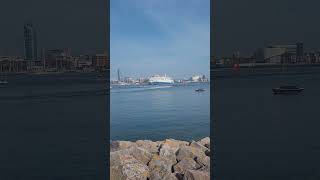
point(76, 24)
point(150, 37)
point(246, 25)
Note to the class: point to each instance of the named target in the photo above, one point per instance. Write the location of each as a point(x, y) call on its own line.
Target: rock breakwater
point(160, 160)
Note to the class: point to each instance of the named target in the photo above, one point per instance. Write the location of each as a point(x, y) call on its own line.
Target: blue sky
point(160, 37)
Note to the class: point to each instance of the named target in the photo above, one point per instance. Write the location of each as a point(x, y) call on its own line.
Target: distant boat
point(287, 90)
point(199, 90)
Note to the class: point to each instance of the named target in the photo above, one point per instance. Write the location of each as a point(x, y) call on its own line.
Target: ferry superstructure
point(158, 80)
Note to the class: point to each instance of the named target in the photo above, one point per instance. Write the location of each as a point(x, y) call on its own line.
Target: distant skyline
point(160, 37)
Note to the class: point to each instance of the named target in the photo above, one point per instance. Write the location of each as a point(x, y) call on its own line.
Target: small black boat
point(287, 90)
point(199, 90)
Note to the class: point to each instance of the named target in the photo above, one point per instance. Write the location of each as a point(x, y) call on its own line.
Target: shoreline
point(156, 160)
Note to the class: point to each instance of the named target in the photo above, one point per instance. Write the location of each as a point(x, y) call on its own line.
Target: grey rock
point(173, 144)
point(199, 146)
point(115, 158)
point(128, 169)
point(160, 168)
point(196, 175)
point(203, 160)
point(168, 153)
point(184, 165)
point(208, 146)
point(120, 145)
point(205, 142)
point(205, 168)
point(189, 152)
point(208, 153)
point(179, 176)
point(185, 152)
point(160, 164)
point(150, 146)
point(169, 176)
point(139, 153)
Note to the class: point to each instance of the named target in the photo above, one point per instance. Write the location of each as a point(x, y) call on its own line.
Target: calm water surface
point(157, 113)
point(264, 136)
point(52, 127)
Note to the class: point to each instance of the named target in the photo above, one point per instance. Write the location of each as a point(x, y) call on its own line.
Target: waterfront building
point(274, 54)
point(12, 64)
point(82, 62)
point(129, 80)
point(142, 80)
point(100, 61)
point(287, 53)
point(56, 58)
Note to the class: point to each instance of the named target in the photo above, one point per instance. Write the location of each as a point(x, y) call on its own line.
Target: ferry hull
point(160, 83)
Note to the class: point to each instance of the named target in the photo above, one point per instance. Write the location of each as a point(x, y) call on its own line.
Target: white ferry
point(158, 80)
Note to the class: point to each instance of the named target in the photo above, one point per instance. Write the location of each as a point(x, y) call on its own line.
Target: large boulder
point(196, 175)
point(139, 153)
point(184, 165)
point(189, 152)
point(161, 168)
point(168, 153)
point(173, 144)
point(203, 160)
point(148, 145)
point(199, 146)
point(185, 152)
point(205, 142)
point(120, 145)
point(127, 168)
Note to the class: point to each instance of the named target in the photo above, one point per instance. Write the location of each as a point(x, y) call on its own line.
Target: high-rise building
point(300, 52)
point(30, 43)
point(119, 76)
